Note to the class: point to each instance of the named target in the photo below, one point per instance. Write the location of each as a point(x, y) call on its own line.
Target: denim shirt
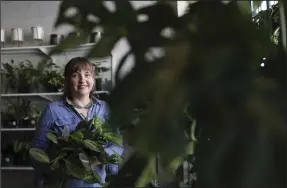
point(59, 113)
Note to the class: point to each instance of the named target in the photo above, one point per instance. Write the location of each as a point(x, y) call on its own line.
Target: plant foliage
point(208, 71)
point(76, 153)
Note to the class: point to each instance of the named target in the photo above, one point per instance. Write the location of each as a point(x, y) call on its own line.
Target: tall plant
point(209, 71)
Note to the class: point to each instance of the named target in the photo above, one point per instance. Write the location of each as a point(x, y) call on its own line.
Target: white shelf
point(41, 49)
point(39, 94)
point(18, 129)
point(17, 168)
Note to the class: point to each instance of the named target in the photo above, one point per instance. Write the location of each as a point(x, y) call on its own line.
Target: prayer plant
point(74, 153)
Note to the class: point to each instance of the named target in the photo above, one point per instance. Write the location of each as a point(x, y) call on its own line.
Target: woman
point(76, 105)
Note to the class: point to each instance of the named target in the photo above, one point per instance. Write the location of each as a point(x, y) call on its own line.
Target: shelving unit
point(17, 129)
point(39, 94)
point(36, 54)
point(17, 168)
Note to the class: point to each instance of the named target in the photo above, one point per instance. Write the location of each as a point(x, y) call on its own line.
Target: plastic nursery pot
point(52, 88)
point(9, 121)
point(21, 160)
point(28, 122)
point(8, 159)
point(99, 84)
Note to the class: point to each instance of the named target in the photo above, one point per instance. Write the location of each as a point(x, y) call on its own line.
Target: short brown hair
point(74, 65)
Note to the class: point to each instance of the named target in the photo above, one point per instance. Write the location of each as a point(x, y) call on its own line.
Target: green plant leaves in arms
point(117, 139)
point(92, 178)
point(98, 124)
point(39, 155)
point(56, 163)
point(77, 136)
point(92, 145)
point(74, 170)
point(51, 136)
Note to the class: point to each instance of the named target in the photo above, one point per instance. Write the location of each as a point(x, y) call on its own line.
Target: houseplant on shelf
point(25, 77)
point(210, 63)
point(53, 81)
point(21, 150)
point(101, 84)
point(20, 113)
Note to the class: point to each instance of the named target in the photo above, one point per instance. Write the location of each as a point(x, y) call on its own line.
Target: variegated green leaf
point(117, 139)
point(52, 137)
point(98, 124)
point(84, 158)
point(92, 145)
point(55, 164)
point(77, 136)
point(39, 155)
point(74, 170)
point(92, 178)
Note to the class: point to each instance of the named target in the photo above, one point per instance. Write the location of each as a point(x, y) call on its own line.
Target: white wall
point(25, 14)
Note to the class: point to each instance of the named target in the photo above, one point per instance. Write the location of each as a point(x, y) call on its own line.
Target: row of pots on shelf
point(12, 122)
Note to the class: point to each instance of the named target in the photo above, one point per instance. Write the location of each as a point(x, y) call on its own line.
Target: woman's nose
point(81, 79)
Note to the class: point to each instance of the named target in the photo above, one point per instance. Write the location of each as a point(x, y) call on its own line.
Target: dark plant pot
point(103, 96)
point(9, 121)
point(28, 122)
point(30, 88)
point(51, 88)
point(7, 159)
point(32, 122)
point(99, 84)
point(21, 160)
point(24, 122)
point(23, 88)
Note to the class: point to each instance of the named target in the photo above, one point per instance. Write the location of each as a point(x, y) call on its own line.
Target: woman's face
point(82, 82)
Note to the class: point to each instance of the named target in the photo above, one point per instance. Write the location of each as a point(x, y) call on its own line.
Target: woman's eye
point(87, 75)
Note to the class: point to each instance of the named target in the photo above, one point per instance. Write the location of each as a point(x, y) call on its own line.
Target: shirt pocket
point(63, 121)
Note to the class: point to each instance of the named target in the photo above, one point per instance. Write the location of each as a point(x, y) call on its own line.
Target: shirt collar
point(65, 101)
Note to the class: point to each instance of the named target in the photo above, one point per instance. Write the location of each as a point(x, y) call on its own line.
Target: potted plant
point(7, 156)
point(29, 78)
point(20, 113)
point(53, 81)
point(101, 84)
point(72, 152)
point(9, 75)
point(21, 151)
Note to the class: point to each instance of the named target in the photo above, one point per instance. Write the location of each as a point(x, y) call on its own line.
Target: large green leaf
point(74, 170)
point(52, 137)
point(77, 136)
point(92, 145)
point(114, 138)
point(39, 155)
